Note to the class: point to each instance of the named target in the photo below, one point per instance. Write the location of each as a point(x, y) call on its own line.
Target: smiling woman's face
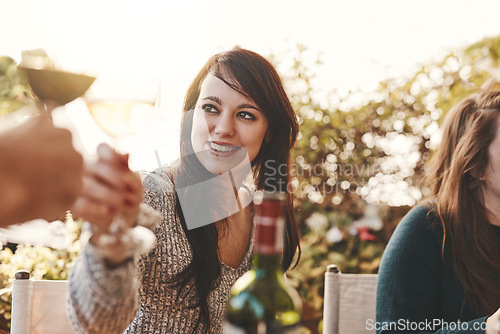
point(226, 126)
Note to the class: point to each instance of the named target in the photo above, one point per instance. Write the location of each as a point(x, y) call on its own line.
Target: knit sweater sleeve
point(409, 292)
point(105, 299)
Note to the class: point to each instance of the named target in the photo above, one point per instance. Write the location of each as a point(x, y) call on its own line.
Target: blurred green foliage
point(368, 148)
point(14, 92)
point(42, 263)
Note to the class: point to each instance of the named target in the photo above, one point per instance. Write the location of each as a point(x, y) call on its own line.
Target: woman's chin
point(218, 167)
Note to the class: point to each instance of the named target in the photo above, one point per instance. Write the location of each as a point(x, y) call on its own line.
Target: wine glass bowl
point(58, 86)
point(118, 118)
point(120, 106)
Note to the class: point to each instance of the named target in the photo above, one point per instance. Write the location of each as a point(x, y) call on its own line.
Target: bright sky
point(361, 41)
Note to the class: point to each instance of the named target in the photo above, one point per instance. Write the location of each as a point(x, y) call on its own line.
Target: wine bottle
point(261, 301)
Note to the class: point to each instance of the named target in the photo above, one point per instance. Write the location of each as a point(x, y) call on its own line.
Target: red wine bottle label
point(269, 235)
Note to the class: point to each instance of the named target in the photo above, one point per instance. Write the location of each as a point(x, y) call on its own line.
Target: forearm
point(102, 299)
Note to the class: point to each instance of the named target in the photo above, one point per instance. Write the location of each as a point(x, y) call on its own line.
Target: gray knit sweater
point(136, 297)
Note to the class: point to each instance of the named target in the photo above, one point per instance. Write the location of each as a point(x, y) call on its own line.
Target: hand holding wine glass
point(40, 171)
point(119, 106)
point(110, 201)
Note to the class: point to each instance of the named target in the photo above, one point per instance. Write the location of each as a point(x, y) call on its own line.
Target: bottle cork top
point(22, 274)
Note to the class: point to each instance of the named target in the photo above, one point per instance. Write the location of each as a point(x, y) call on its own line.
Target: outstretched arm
point(104, 291)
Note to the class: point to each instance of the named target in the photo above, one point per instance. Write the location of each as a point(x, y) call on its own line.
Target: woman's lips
point(222, 150)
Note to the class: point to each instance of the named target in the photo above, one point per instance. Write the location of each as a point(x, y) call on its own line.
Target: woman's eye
point(209, 108)
point(246, 115)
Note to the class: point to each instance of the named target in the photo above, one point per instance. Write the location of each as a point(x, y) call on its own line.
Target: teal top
point(418, 291)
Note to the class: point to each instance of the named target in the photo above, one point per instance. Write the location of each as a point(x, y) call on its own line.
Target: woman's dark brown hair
point(253, 76)
point(456, 183)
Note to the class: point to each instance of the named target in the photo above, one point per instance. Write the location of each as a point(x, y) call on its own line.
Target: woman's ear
point(475, 174)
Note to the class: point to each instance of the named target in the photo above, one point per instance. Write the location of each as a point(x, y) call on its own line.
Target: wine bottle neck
point(266, 265)
point(268, 246)
point(270, 225)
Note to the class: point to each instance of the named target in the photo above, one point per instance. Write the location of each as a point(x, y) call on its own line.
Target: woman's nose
point(224, 126)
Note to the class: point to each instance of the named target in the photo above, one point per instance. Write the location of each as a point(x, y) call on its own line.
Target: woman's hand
point(493, 323)
point(110, 188)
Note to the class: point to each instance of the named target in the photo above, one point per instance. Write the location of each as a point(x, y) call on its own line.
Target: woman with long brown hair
point(235, 110)
point(440, 271)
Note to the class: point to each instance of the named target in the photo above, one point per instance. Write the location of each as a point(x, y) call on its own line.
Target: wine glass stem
point(118, 225)
point(46, 108)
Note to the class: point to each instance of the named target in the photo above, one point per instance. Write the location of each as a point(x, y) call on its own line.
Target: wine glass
point(119, 106)
point(53, 87)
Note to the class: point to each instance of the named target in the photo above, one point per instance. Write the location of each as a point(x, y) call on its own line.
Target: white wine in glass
point(120, 118)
